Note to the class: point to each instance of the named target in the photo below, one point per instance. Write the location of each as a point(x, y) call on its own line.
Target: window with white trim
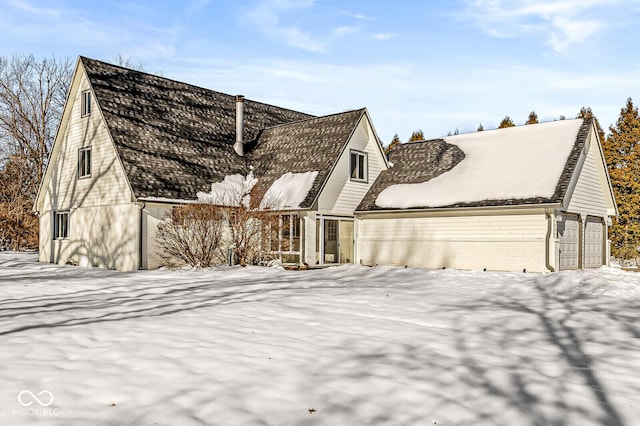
point(84, 162)
point(86, 103)
point(359, 166)
point(60, 225)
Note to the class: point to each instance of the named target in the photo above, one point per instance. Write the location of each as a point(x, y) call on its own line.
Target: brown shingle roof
point(418, 162)
point(310, 145)
point(174, 139)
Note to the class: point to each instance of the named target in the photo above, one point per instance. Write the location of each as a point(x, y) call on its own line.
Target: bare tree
point(127, 62)
point(32, 97)
point(193, 234)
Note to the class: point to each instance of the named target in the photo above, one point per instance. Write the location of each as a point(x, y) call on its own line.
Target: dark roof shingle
point(174, 139)
point(310, 145)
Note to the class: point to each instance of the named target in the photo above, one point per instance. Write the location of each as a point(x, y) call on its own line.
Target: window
point(60, 225)
point(84, 162)
point(283, 234)
point(86, 103)
point(359, 166)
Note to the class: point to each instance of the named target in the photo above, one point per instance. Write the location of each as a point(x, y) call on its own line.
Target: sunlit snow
point(232, 191)
point(514, 163)
point(289, 190)
point(347, 345)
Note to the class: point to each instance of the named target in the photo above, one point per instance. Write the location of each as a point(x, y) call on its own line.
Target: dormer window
point(84, 162)
point(359, 166)
point(86, 103)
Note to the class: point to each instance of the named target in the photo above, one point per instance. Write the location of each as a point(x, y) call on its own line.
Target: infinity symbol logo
point(35, 398)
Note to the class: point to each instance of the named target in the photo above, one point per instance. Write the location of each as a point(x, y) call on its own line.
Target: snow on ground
point(245, 346)
point(499, 164)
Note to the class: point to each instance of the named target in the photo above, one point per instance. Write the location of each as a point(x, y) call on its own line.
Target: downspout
point(144, 204)
point(547, 242)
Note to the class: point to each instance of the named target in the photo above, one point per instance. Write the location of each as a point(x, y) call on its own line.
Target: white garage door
point(593, 242)
point(568, 236)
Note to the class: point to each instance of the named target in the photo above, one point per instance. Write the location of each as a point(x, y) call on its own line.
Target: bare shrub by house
point(193, 234)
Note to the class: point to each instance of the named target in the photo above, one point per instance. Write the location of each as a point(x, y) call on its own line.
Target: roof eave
point(553, 205)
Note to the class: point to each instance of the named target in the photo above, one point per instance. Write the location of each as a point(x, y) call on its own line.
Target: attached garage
point(535, 198)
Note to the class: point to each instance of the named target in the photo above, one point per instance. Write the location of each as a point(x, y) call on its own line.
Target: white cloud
point(346, 30)
point(359, 16)
point(383, 36)
point(26, 6)
point(266, 18)
point(563, 22)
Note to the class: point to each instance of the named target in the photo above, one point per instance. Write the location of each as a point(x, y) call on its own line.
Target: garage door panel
point(568, 236)
point(593, 242)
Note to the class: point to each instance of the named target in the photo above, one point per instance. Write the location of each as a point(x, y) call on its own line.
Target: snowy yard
point(358, 345)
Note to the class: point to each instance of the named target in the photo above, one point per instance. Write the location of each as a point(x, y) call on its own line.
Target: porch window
point(60, 225)
point(359, 166)
point(281, 238)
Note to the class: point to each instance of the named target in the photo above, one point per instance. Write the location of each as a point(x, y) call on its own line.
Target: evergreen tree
point(585, 112)
point(533, 118)
point(417, 135)
point(394, 142)
point(623, 160)
point(506, 122)
point(480, 128)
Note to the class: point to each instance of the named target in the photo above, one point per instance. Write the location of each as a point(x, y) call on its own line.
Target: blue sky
point(431, 65)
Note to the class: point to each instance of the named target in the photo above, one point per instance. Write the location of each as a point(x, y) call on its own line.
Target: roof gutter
point(468, 208)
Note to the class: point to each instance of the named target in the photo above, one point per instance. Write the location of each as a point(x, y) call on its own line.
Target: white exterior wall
point(103, 221)
point(341, 195)
point(590, 196)
point(152, 215)
point(309, 233)
point(103, 236)
point(471, 240)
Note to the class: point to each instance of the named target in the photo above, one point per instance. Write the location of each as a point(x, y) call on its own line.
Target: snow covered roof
point(530, 164)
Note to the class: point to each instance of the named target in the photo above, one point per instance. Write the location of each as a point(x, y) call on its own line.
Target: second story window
point(84, 162)
point(359, 166)
point(86, 103)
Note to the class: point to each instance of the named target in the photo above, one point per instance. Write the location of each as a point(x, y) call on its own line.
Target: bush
point(193, 234)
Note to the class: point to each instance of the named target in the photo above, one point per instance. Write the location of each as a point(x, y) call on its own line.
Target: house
point(534, 198)
point(131, 146)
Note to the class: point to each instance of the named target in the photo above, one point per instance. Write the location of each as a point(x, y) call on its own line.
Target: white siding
point(471, 241)
point(107, 185)
point(309, 233)
point(103, 222)
point(153, 214)
point(588, 197)
point(341, 195)
point(104, 236)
